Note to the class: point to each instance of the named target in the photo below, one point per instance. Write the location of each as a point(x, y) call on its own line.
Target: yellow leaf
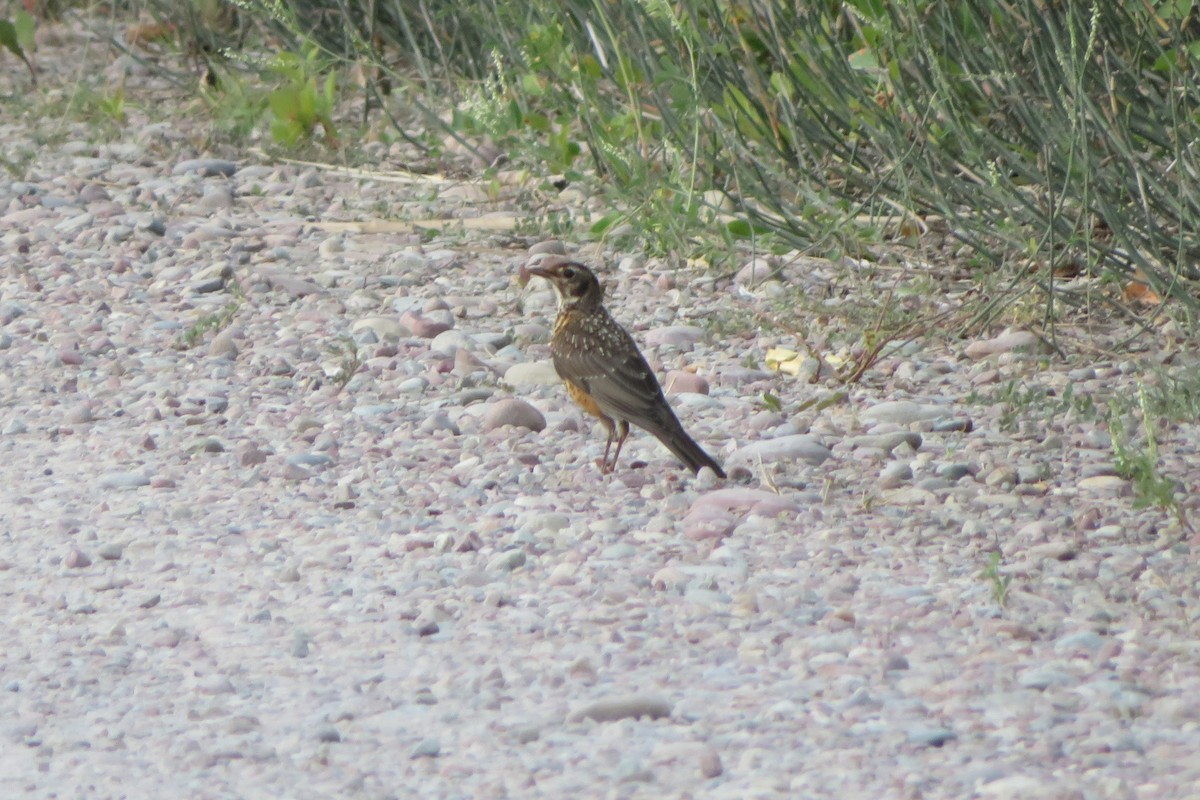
point(783, 360)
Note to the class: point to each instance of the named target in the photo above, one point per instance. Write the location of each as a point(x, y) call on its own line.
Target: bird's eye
point(568, 273)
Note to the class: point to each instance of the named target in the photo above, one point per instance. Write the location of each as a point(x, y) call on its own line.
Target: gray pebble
point(548, 247)
point(611, 709)
point(328, 734)
point(953, 425)
point(515, 412)
point(895, 474)
point(205, 167)
point(902, 412)
point(953, 472)
point(426, 748)
point(532, 373)
point(123, 480)
point(507, 561)
point(931, 737)
point(798, 447)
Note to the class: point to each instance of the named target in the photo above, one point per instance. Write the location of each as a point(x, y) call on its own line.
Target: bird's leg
point(612, 434)
point(624, 426)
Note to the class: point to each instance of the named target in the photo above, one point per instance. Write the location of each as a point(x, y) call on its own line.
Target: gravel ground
point(227, 574)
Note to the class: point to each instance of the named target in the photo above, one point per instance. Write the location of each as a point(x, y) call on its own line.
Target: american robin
point(604, 371)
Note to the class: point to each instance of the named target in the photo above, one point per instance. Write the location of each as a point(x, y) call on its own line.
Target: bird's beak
point(541, 272)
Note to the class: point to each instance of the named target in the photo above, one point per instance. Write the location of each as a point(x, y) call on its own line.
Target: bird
point(604, 371)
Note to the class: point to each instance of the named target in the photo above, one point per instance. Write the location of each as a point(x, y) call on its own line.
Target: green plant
point(216, 321)
point(301, 104)
point(112, 105)
point(345, 349)
point(16, 35)
point(999, 581)
point(1139, 465)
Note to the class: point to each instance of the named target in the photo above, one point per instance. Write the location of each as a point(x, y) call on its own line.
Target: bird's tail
point(690, 453)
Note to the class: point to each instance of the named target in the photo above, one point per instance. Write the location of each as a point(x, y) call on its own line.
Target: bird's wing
point(624, 386)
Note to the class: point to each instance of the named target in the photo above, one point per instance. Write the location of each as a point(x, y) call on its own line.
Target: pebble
point(111, 552)
point(681, 382)
point(123, 480)
point(426, 748)
point(798, 447)
point(536, 373)
point(1004, 343)
point(612, 709)
point(205, 167)
point(901, 412)
point(1106, 485)
point(710, 763)
point(422, 326)
point(507, 561)
point(515, 412)
point(673, 335)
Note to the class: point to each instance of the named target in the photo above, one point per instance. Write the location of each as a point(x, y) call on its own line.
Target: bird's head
point(575, 284)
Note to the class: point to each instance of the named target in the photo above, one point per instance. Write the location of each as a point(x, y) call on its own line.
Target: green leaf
point(283, 103)
point(864, 60)
point(531, 85)
point(8, 38)
point(330, 91)
point(772, 402)
point(740, 228)
point(603, 224)
point(538, 122)
point(24, 28)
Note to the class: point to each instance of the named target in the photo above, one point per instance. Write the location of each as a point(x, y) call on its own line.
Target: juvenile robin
point(604, 371)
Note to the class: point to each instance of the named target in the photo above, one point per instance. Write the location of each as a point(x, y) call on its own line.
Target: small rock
point(223, 345)
point(385, 328)
point(515, 412)
point(611, 709)
point(1108, 485)
point(797, 447)
point(954, 472)
point(205, 167)
point(123, 480)
point(79, 415)
point(931, 737)
point(77, 559)
point(682, 382)
point(426, 748)
point(756, 271)
point(70, 357)
point(710, 763)
point(422, 327)
point(111, 552)
point(902, 412)
point(328, 734)
point(895, 474)
point(676, 335)
point(1001, 476)
point(532, 373)
point(1004, 343)
point(507, 561)
point(548, 247)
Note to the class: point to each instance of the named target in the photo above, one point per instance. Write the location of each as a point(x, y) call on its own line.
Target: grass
point(349, 359)
point(1000, 582)
point(210, 323)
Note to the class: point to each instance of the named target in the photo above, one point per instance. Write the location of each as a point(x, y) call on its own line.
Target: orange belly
point(585, 400)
